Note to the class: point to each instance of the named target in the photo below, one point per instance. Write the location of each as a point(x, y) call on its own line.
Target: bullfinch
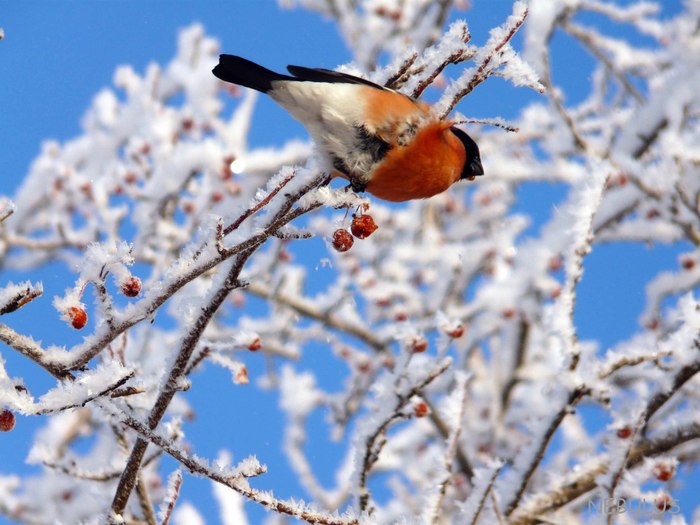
point(380, 140)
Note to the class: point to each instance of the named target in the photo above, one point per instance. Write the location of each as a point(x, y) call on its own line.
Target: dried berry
point(509, 313)
point(131, 286)
point(455, 331)
point(77, 317)
point(688, 263)
point(663, 471)
point(363, 226)
point(241, 377)
point(554, 264)
point(342, 240)
point(653, 213)
point(400, 316)
point(421, 409)
point(7, 421)
point(624, 432)
point(418, 344)
point(664, 502)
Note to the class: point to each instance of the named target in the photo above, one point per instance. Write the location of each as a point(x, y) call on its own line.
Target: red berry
point(624, 432)
point(421, 409)
point(241, 377)
point(663, 471)
point(342, 240)
point(255, 345)
point(363, 226)
point(484, 199)
point(130, 177)
point(652, 324)
point(688, 263)
point(400, 316)
point(187, 124)
point(7, 421)
point(364, 366)
point(77, 316)
point(556, 292)
point(131, 286)
point(455, 331)
point(554, 264)
point(509, 313)
point(217, 196)
point(664, 502)
point(418, 344)
point(653, 213)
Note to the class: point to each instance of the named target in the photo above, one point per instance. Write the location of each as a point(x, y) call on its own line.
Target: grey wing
point(367, 151)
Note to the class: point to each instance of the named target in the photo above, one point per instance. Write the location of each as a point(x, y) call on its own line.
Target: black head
point(472, 166)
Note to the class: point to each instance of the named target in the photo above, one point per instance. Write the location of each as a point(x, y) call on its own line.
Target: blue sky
point(57, 55)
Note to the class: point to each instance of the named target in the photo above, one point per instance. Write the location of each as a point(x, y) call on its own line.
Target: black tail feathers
point(245, 73)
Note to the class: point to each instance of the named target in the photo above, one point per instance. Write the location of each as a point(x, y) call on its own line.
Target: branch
point(309, 309)
point(376, 440)
point(574, 396)
point(177, 371)
point(234, 480)
point(585, 478)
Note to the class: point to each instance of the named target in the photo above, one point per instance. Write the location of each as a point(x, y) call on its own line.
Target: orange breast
point(429, 165)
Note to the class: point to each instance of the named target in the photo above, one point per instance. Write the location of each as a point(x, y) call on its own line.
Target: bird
point(380, 140)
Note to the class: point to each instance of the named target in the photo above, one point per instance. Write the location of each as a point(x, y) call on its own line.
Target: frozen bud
point(131, 286)
point(77, 316)
point(342, 240)
point(255, 344)
point(363, 226)
point(7, 421)
point(624, 432)
point(417, 344)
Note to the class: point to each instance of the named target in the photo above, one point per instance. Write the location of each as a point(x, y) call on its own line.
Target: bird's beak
point(476, 167)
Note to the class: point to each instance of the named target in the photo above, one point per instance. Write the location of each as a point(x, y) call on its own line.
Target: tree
point(467, 393)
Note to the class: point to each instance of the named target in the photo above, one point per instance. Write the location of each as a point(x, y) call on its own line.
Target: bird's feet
point(357, 184)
